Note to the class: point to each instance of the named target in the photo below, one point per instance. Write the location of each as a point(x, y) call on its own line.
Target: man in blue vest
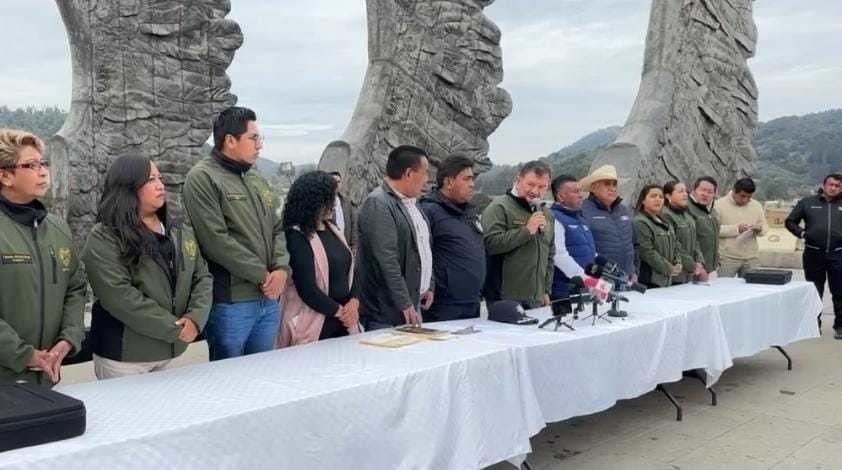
point(574, 242)
point(609, 219)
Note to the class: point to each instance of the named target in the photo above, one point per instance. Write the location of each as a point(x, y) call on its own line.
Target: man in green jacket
point(42, 284)
point(707, 221)
point(519, 238)
point(234, 214)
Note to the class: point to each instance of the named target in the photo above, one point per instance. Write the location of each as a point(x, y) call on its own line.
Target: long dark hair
point(310, 195)
point(643, 192)
point(119, 208)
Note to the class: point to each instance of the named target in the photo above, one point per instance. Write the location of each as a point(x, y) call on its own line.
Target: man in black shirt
point(822, 234)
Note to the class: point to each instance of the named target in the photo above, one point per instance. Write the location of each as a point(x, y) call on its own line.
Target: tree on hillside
point(43, 122)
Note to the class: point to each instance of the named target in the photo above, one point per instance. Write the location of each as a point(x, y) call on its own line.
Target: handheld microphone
point(538, 206)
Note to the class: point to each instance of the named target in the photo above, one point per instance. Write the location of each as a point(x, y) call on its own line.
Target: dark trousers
point(445, 312)
point(820, 267)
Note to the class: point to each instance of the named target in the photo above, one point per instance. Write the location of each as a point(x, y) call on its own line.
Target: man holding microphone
point(519, 238)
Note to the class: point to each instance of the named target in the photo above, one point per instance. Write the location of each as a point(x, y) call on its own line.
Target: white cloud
point(293, 130)
point(571, 66)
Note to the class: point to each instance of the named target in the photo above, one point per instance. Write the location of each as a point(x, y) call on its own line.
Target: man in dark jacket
point(458, 251)
point(574, 244)
point(609, 219)
point(234, 214)
point(395, 260)
point(822, 234)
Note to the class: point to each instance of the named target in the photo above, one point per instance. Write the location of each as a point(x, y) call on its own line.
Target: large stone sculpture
point(434, 67)
point(148, 77)
point(696, 110)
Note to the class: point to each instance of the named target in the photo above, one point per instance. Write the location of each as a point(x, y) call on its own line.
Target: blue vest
point(579, 242)
point(612, 231)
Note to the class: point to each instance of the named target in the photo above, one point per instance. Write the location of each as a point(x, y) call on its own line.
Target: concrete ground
point(767, 418)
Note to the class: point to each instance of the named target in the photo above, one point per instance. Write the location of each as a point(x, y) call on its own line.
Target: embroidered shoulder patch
point(65, 257)
point(190, 249)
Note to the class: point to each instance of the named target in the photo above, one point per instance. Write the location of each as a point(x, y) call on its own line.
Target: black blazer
point(389, 265)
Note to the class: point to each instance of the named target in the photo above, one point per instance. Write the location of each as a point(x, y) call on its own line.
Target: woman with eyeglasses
point(151, 285)
point(42, 298)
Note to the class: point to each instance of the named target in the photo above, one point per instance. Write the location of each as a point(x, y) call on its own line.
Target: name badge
point(15, 258)
point(235, 196)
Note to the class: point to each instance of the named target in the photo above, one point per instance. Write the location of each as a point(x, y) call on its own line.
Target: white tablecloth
point(755, 316)
point(463, 403)
point(582, 372)
point(336, 404)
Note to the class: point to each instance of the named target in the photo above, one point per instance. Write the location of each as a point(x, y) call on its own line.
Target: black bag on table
point(31, 415)
point(768, 276)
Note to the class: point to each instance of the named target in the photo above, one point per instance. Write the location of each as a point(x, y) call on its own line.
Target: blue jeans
point(240, 328)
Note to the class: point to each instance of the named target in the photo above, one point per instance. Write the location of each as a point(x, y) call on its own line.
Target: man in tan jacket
point(742, 221)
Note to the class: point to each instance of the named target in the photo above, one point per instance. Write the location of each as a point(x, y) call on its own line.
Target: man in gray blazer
point(395, 261)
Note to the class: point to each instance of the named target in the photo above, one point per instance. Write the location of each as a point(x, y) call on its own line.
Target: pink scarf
point(301, 324)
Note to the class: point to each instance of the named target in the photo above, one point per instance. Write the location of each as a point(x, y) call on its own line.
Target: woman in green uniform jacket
point(42, 298)
point(654, 240)
point(677, 214)
point(151, 284)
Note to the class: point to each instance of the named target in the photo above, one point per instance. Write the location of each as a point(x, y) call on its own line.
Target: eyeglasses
point(256, 138)
point(34, 166)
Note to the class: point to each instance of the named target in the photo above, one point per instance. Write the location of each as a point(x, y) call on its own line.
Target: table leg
point(679, 412)
point(700, 376)
point(788, 359)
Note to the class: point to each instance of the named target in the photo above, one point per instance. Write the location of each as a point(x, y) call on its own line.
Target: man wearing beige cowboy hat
point(609, 219)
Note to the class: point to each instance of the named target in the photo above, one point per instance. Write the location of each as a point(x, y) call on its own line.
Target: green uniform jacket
point(656, 247)
point(523, 262)
point(140, 298)
point(233, 212)
point(688, 249)
point(42, 293)
point(707, 233)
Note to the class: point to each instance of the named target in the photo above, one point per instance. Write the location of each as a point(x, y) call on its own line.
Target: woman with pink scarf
point(320, 301)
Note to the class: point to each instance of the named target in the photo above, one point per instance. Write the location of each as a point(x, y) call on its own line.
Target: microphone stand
point(615, 311)
point(595, 315)
point(559, 319)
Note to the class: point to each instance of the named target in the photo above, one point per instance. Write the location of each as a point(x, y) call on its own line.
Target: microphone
point(536, 207)
point(604, 268)
point(598, 288)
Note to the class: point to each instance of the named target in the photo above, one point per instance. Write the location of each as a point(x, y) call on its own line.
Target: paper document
point(747, 235)
point(391, 341)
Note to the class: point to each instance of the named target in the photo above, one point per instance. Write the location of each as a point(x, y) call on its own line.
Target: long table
point(463, 403)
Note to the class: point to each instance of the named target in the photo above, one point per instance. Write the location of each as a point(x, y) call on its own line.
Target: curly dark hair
point(310, 195)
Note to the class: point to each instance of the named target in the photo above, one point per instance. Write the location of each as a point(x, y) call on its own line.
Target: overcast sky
point(572, 66)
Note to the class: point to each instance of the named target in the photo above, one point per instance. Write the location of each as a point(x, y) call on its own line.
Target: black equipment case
point(768, 276)
point(31, 415)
